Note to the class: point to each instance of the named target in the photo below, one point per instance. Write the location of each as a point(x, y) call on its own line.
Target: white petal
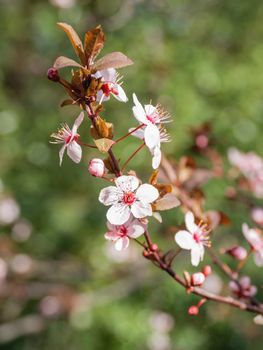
point(127, 183)
point(157, 156)
point(149, 109)
point(152, 136)
point(140, 210)
point(147, 193)
point(138, 133)
point(138, 111)
point(110, 226)
point(109, 75)
point(77, 123)
point(99, 98)
point(196, 255)
point(61, 153)
point(135, 230)
point(118, 214)
point(184, 239)
point(74, 151)
point(109, 195)
point(122, 243)
point(190, 222)
point(121, 96)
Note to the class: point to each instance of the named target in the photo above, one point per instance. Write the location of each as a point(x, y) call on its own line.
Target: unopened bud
point(52, 74)
point(197, 279)
point(207, 270)
point(96, 167)
point(154, 247)
point(193, 310)
point(237, 252)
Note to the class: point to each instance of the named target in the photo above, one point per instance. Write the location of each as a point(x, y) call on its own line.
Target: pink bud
point(257, 215)
point(237, 252)
point(96, 167)
point(52, 74)
point(197, 279)
point(154, 247)
point(193, 310)
point(207, 270)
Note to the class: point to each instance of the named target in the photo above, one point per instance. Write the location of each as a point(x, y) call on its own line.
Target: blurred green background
point(61, 285)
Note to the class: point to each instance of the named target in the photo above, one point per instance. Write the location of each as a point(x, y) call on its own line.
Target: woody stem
point(129, 133)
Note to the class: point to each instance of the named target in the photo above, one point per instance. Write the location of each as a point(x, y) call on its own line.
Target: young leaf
point(62, 62)
point(74, 39)
point(93, 44)
point(169, 201)
point(104, 144)
point(112, 60)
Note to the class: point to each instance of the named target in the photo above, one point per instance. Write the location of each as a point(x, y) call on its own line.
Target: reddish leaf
point(62, 62)
point(112, 60)
point(104, 144)
point(168, 201)
point(93, 43)
point(74, 39)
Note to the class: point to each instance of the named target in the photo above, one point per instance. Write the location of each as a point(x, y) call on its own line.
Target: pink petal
point(190, 222)
point(138, 133)
point(127, 183)
point(61, 153)
point(99, 97)
point(135, 230)
point(122, 243)
point(140, 210)
point(252, 236)
point(111, 236)
point(110, 195)
point(258, 258)
point(74, 151)
point(152, 136)
point(184, 239)
point(118, 214)
point(149, 109)
point(77, 123)
point(147, 193)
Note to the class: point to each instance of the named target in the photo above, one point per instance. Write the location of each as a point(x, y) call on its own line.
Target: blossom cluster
point(131, 202)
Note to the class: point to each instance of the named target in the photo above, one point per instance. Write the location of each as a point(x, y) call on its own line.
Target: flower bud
point(237, 252)
point(96, 167)
point(193, 310)
point(52, 74)
point(207, 270)
point(197, 279)
point(154, 247)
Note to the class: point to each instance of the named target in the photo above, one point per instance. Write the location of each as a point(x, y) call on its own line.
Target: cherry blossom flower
point(69, 140)
point(155, 151)
point(151, 117)
point(121, 234)
point(257, 215)
point(128, 197)
point(194, 239)
point(243, 289)
point(111, 86)
point(255, 239)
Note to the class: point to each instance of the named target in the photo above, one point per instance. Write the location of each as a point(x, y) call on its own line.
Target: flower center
point(68, 138)
point(197, 237)
point(129, 198)
point(153, 118)
point(107, 88)
point(123, 231)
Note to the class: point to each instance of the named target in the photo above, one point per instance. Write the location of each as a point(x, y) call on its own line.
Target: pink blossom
point(257, 215)
point(128, 197)
point(255, 239)
point(68, 137)
point(195, 239)
point(237, 252)
point(111, 86)
point(121, 234)
point(155, 151)
point(96, 167)
point(243, 288)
